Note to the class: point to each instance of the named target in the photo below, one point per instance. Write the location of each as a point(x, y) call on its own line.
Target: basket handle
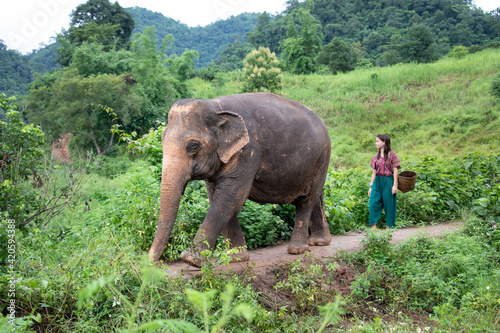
point(404, 165)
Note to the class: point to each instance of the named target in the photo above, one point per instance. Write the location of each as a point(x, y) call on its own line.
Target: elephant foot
point(190, 259)
point(298, 249)
point(240, 257)
point(320, 241)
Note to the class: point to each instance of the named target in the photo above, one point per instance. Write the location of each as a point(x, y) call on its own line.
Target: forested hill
point(209, 40)
point(379, 32)
point(17, 71)
point(378, 28)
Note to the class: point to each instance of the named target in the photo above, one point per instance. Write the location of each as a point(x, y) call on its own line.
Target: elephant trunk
point(173, 181)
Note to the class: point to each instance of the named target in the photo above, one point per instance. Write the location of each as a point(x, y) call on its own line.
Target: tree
point(268, 32)
point(163, 77)
point(92, 59)
point(419, 45)
point(15, 72)
point(103, 19)
point(96, 21)
point(138, 86)
point(20, 144)
point(339, 56)
point(494, 21)
point(86, 106)
point(301, 48)
point(262, 71)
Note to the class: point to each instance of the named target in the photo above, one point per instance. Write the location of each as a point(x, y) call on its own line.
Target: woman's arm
point(395, 185)
point(374, 173)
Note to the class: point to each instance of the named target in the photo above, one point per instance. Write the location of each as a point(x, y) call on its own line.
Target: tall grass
point(443, 108)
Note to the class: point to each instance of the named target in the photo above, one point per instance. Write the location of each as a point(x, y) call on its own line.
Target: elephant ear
point(233, 135)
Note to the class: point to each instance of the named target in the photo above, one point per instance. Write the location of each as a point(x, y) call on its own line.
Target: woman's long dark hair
point(387, 147)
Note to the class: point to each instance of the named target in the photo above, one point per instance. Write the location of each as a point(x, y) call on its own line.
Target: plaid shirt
point(383, 167)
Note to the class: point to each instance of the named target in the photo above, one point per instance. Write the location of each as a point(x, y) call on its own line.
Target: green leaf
point(91, 290)
point(150, 273)
point(245, 311)
point(201, 300)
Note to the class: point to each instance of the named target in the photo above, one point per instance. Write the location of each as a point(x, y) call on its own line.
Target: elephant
point(257, 146)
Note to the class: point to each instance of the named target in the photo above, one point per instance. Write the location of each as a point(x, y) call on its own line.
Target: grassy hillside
point(444, 108)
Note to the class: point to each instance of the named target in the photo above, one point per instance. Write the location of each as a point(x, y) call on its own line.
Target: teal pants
point(382, 198)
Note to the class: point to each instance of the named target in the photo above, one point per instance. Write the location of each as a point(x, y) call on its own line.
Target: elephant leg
point(300, 235)
point(320, 230)
point(225, 205)
point(233, 232)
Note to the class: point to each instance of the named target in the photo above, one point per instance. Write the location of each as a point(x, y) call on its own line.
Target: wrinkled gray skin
point(259, 146)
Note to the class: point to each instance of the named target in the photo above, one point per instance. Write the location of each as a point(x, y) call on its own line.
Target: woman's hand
point(369, 192)
point(395, 189)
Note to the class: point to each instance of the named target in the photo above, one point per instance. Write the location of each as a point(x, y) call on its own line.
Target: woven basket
point(406, 180)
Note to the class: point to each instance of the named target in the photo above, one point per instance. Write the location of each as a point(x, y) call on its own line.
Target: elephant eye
point(193, 146)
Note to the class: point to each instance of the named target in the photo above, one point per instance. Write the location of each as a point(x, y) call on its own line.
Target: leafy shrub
point(261, 71)
point(261, 227)
point(458, 52)
point(446, 186)
point(376, 247)
point(136, 208)
point(21, 159)
point(487, 229)
point(346, 200)
point(149, 145)
point(452, 319)
point(192, 210)
point(445, 272)
point(113, 166)
point(377, 284)
point(307, 279)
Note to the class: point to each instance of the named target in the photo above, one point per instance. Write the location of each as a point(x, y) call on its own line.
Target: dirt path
point(268, 256)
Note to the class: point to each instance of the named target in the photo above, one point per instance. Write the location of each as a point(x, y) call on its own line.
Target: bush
point(486, 228)
point(261, 227)
point(346, 200)
point(458, 52)
point(261, 71)
point(447, 186)
point(445, 271)
point(21, 159)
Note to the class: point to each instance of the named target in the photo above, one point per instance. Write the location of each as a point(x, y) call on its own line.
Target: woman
point(384, 183)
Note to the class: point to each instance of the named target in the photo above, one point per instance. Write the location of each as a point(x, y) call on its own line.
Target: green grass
point(444, 108)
